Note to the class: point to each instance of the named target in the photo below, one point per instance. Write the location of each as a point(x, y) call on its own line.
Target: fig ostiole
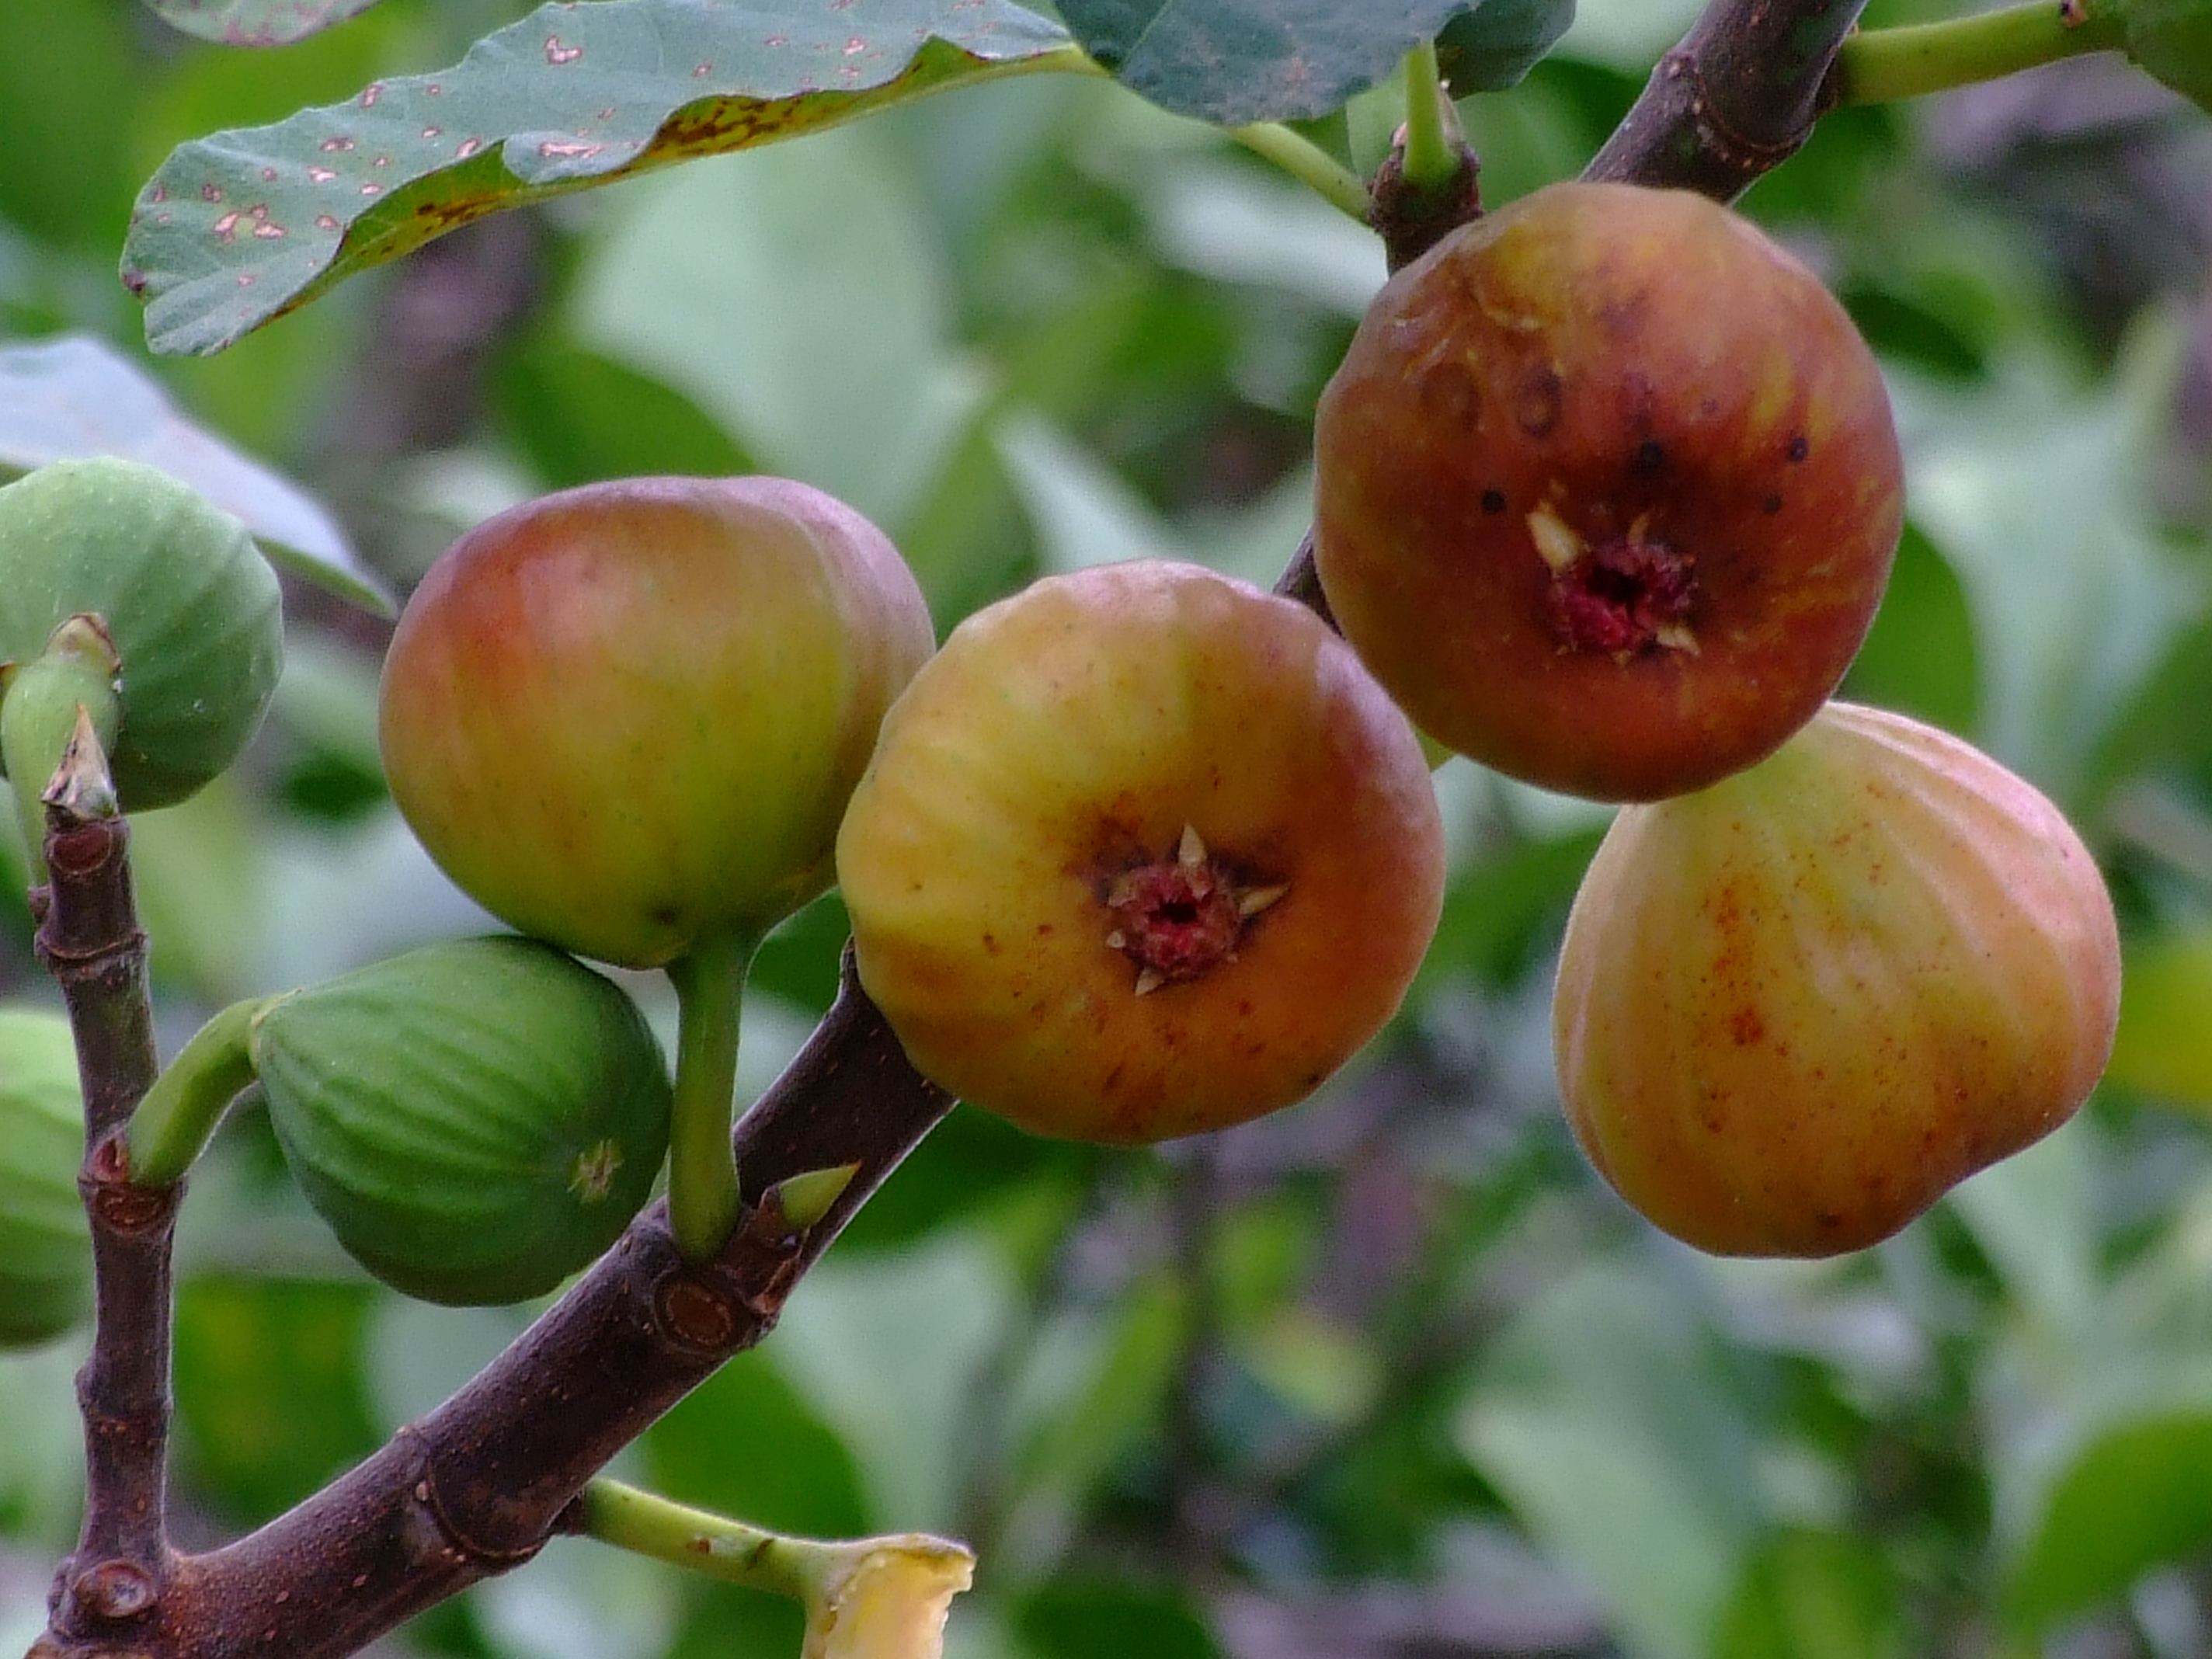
point(45, 1249)
point(476, 1121)
point(626, 718)
point(1143, 852)
point(1607, 490)
point(124, 593)
point(1795, 1008)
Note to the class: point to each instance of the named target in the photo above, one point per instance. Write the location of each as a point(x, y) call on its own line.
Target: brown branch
point(1737, 98)
point(89, 941)
point(480, 1485)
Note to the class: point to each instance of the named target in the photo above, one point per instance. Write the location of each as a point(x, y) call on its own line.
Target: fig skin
point(476, 1119)
point(192, 611)
point(1058, 766)
point(45, 1245)
point(626, 718)
point(1638, 388)
point(1796, 1008)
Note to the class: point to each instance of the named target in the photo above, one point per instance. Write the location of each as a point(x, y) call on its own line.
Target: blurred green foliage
point(1391, 1375)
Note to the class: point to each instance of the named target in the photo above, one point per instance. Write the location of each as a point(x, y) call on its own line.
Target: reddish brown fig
point(1608, 491)
point(1796, 1008)
point(1144, 851)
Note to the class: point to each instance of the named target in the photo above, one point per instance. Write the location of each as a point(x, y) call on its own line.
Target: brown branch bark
point(1737, 98)
point(90, 941)
point(479, 1485)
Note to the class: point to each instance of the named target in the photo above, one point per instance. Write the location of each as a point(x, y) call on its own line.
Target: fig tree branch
point(479, 1484)
point(1738, 97)
point(90, 941)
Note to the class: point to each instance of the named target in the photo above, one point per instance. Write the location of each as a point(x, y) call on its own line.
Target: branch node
point(114, 1592)
point(124, 1208)
point(1411, 221)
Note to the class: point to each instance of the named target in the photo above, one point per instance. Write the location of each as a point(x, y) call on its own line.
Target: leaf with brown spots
point(241, 228)
point(256, 22)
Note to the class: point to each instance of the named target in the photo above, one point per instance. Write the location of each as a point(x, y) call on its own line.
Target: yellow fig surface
point(1795, 1008)
point(1144, 851)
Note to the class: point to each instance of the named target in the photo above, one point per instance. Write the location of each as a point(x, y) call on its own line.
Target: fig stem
point(1307, 162)
point(811, 1570)
point(176, 1119)
point(703, 1200)
point(1432, 161)
point(1879, 66)
point(732, 1551)
point(39, 716)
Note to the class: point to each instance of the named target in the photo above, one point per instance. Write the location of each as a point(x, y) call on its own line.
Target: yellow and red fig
point(1796, 1008)
point(1144, 851)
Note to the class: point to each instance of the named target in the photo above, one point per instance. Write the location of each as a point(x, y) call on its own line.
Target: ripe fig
point(476, 1121)
point(123, 590)
point(1796, 1008)
point(627, 718)
point(1144, 851)
point(46, 1248)
point(1608, 491)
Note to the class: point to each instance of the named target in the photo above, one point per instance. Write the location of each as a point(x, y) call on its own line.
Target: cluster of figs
point(1608, 492)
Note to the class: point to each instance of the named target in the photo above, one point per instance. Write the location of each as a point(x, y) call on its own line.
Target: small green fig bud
point(45, 1248)
point(111, 554)
point(476, 1121)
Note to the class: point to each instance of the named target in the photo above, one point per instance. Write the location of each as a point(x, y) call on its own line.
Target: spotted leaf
point(243, 227)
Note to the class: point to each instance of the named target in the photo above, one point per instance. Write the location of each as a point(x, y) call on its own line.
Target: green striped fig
point(157, 607)
point(45, 1249)
point(476, 1121)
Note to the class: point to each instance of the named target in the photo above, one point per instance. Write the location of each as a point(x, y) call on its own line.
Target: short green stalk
point(39, 715)
point(1431, 160)
point(876, 1597)
point(174, 1122)
point(703, 1201)
point(1879, 66)
point(721, 1548)
point(1308, 163)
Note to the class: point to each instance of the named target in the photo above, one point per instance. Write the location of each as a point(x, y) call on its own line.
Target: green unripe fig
point(45, 1249)
point(476, 1121)
point(627, 718)
point(120, 568)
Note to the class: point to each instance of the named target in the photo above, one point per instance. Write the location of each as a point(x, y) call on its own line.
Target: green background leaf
point(1235, 61)
point(69, 399)
point(2173, 38)
point(1495, 44)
